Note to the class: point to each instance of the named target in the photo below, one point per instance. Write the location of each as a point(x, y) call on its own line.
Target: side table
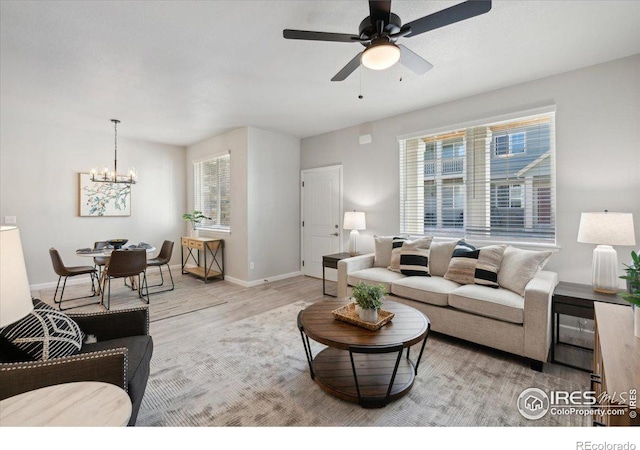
point(576, 300)
point(79, 404)
point(331, 262)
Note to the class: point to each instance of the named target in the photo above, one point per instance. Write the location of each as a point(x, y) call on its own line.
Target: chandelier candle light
point(112, 177)
point(606, 229)
point(354, 221)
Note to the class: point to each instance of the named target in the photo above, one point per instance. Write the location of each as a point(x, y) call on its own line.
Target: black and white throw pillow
point(45, 333)
point(470, 265)
point(396, 246)
point(414, 257)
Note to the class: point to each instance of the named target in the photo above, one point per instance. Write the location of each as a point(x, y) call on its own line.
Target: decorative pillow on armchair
point(45, 333)
point(470, 265)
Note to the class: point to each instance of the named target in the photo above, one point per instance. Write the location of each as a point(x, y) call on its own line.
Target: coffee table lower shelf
point(334, 374)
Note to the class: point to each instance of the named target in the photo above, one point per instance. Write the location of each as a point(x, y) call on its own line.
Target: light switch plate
point(10, 220)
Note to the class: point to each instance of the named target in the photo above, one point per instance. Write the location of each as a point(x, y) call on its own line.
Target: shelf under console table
point(208, 257)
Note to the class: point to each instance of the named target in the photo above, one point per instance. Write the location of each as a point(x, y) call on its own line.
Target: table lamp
point(15, 295)
point(354, 221)
point(606, 229)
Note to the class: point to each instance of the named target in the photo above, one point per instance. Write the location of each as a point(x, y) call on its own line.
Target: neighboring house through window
point(211, 179)
point(493, 180)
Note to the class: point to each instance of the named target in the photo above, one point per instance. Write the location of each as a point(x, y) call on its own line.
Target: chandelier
point(107, 176)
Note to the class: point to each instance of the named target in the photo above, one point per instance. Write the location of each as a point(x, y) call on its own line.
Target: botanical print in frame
point(104, 199)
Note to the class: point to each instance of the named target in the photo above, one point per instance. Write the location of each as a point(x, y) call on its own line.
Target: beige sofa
point(518, 323)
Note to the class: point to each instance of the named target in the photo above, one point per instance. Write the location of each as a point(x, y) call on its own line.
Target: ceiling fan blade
point(379, 10)
point(319, 36)
point(448, 16)
point(412, 61)
point(348, 69)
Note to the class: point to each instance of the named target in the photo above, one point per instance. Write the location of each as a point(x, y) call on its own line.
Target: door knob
point(335, 234)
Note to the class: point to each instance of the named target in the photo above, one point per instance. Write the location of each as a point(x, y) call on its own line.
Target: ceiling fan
point(379, 32)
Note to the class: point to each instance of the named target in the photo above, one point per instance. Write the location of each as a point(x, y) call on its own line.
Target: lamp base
point(605, 270)
point(353, 242)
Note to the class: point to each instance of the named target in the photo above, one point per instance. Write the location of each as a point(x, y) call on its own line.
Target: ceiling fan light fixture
point(380, 56)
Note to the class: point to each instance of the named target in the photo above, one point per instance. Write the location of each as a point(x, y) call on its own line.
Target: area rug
point(253, 373)
point(187, 297)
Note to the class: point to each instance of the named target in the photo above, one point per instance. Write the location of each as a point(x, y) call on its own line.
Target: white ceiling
point(178, 72)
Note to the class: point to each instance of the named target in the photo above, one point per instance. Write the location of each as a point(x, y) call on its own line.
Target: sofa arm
point(537, 315)
point(350, 265)
point(105, 325)
point(109, 366)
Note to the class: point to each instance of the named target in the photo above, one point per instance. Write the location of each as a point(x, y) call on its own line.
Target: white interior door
point(321, 209)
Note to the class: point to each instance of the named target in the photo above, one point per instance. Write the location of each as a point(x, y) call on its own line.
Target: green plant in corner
point(633, 280)
point(367, 296)
point(195, 217)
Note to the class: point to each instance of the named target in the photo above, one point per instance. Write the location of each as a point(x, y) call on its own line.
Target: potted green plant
point(196, 218)
point(633, 289)
point(368, 300)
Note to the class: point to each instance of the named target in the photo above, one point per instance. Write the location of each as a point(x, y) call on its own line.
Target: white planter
point(636, 321)
point(368, 315)
point(194, 233)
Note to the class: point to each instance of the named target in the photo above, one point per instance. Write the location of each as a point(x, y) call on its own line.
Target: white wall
point(39, 166)
point(236, 242)
point(273, 204)
point(597, 145)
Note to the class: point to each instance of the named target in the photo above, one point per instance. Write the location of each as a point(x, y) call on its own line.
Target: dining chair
point(162, 259)
point(63, 271)
point(100, 261)
point(127, 264)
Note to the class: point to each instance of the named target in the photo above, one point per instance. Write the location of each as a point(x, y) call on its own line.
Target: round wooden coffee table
point(360, 365)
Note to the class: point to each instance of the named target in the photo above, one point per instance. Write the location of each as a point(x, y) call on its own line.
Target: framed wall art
point(103, 199)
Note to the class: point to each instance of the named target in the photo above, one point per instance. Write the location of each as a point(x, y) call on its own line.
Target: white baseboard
point(253, 283)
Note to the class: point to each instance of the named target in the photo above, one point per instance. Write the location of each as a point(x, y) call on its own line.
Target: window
point(211, 191)
point(459, 183)
point(509, 144)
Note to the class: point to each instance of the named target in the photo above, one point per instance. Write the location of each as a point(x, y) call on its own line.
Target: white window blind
point(495, 180)
point(212, 192)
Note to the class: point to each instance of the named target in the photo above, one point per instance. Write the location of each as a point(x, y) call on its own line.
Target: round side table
point(79, 404)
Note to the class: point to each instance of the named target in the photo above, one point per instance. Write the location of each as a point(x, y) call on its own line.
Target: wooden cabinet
point(616, 365)
point(203, 257)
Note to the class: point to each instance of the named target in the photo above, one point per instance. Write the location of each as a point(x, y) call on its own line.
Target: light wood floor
point(244, 302)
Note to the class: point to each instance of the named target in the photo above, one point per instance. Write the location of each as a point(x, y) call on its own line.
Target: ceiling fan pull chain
point(360, 96)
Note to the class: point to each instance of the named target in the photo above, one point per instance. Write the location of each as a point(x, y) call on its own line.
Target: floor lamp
point(354, 221)
point(606, 229)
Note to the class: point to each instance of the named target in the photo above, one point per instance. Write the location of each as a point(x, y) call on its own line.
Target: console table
point(616, 365)
point(211, 251)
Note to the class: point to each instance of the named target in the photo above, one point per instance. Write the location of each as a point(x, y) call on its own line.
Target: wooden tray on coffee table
point(348, 314)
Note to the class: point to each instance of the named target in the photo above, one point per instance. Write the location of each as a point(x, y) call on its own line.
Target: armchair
point(121, 355)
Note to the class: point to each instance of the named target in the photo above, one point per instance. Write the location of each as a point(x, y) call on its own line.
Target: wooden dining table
point(106, 253)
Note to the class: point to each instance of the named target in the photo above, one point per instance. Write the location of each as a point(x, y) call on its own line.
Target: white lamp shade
point(15, 295)
point(380, 56)
point(606, 228)
point(354, 220)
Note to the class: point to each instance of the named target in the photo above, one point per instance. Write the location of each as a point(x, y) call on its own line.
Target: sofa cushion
point(500, 304)
point(414, 257)
point(440, 256)
point(433, 290)
point(375, 276)
point(44, 333)
point(383, 246)
point(519, 267)
point(470, 265)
